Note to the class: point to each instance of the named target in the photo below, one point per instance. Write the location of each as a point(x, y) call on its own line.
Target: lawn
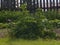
point(6, 41)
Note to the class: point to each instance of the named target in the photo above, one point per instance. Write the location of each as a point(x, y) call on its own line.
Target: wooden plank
point(44, 4)
point(51, 5)
point(47, 4)
point(1, 4)
point(54, 4)
point(37, 4)
point(40, 3)
point(57, 4)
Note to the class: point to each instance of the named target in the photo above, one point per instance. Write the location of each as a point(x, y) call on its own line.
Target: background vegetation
point(29, 26)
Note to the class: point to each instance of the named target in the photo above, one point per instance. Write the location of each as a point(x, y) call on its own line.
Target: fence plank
point(31, 4)
point(54, 4)
point(37, 4)
point(40, 3)
point(51, 4)
point(1, 4)
point(44, 4)
point(57, 4)
point(47, 4)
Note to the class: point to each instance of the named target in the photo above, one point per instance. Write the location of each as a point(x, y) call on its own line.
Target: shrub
point(32, 26)
point(49, 34)
point(8, 15)
point(26, 30)
point(29, 28)
point(3, 25)
point(51, 15)
point(55, 23)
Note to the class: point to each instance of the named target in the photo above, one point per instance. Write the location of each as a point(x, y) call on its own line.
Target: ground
point(8, 41)
point(28, 42)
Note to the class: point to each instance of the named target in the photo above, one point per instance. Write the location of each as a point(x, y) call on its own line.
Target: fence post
point(1, 4)
point(44, 5)
point(57, 5)
point(51, 5)
point(47, 4)
point(37, 4)
point(40, 3)
point(54, 4)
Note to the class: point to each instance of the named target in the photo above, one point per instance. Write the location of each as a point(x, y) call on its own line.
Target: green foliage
point(51, 15)
point(49, 34)
point(3, 25)
point(32, 26)
point(8, 15)
point(26, 28)
point(55, 23)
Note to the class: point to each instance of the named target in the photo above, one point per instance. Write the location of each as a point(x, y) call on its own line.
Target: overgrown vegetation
point(33, 26)
point(6, 16)
point(26, 25)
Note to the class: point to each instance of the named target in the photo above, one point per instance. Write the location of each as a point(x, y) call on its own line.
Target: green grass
point(6, 41)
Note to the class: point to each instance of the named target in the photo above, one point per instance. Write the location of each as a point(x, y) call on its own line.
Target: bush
point(51, 15)
point(49, 34)
point(26, 30)
point(3, 25)
point(8, 15)
point(29, 28)
point(55, 23)
point(32, 27)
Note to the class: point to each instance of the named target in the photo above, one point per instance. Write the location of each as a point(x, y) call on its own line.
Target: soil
point(3, 33)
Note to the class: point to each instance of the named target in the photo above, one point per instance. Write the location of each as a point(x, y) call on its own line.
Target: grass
point(6, 41)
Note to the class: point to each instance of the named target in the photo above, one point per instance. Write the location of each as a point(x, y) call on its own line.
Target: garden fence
point(31, 4)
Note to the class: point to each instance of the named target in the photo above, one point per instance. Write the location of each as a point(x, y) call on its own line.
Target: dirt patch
point(57, 31)
point(3, 33)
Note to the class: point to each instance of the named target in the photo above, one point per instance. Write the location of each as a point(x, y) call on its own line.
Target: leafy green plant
point(8, 15)
point(55, 23)
point(51, 15)
point(3, 25)
point(32, 26)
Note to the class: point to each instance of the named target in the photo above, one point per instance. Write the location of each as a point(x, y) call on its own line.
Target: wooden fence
point(31, 4)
